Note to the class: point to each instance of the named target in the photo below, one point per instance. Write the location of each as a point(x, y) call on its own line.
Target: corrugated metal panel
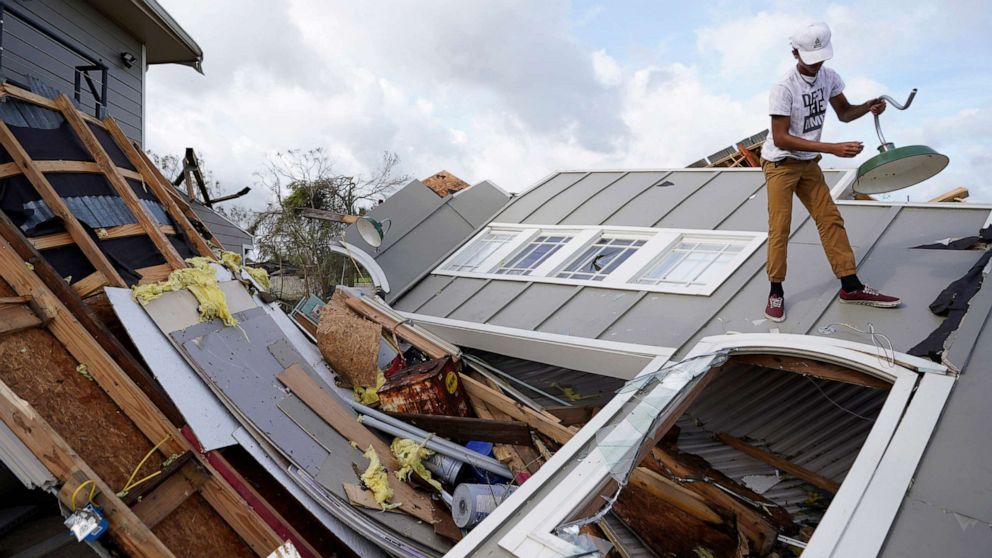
point(533, 199)
point(559, 206)
point(481, 306)
point(721, 197)
point(817, 424)
point(647, 207)
point(533, 306)
point(594, 389)
point(591, 211)
point(95, 211)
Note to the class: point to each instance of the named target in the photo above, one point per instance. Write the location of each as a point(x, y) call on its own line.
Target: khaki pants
point(804, 179)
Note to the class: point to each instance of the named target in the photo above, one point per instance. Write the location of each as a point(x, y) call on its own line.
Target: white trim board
point(606, 358)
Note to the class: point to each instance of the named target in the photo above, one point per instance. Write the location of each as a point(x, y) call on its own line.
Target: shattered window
point(480, 250)
point(533, 255)
point(601, 259)
point(692, 262)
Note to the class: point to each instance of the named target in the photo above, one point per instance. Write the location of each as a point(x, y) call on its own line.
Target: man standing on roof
point(789, 159)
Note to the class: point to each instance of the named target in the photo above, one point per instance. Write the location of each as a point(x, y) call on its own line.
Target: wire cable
point(130, 484)
point(75, 493)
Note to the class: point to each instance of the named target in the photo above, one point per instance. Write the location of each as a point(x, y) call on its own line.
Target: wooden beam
point(81, 167)
point(956, 194)
point(325, 215)
point(814, 368)
point(89, 284)
point(780, 463)
point(65, 464)
point(538, 421)
point(748, 155)
point(139, 210)
point(576, 414)
point(169, 495)
point(160, 187)
point(79, 235)
point(343, 421)
point(467, 429)
point(863, 197)
point(504, 453)
point(154, 274)
point(64, 239)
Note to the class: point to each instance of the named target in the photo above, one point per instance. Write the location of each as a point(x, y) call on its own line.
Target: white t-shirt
point(806, 106)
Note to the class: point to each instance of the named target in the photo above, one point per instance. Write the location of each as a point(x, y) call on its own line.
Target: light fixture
point(128, 59)
point(894, 167)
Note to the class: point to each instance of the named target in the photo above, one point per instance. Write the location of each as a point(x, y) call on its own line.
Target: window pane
point(480, 250)
point(533, 255)
point(693, 262)
point(601, 259)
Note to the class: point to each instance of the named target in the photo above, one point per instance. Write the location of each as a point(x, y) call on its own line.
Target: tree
point(306, 178)
point(172, 166)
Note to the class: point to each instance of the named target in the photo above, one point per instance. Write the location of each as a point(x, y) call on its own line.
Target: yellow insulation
point(410, 455)
point(375, 479)
point(200, 280)
point(369, 395)
point(232, 261)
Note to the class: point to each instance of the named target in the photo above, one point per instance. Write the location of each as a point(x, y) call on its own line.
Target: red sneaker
point(869, 297)
point(775, 310)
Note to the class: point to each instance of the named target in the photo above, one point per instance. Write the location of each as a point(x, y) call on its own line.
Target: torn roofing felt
point(953, 301)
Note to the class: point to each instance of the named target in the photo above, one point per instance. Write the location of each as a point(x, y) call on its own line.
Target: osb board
point(184, 533)
point(349, 342)
point(38, 368)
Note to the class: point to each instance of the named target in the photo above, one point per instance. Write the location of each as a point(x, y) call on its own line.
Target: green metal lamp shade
point(898, 167)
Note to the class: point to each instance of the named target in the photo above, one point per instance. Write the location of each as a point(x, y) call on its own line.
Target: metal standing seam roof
point(883, 237)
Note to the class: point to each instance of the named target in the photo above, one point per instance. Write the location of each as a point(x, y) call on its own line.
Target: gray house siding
point(424, 228)
point(28, 53)
point(231, 237)
point(883, 238)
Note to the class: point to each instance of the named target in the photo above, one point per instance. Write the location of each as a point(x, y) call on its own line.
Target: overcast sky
point(512, 90)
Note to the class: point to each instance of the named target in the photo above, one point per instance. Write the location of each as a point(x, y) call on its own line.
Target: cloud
point(498, 90)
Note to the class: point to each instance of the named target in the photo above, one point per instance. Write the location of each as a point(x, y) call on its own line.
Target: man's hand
point(846, 149)
point(876, 106)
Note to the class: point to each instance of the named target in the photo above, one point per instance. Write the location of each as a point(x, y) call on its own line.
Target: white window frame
point(658, 242)
point(857, 520)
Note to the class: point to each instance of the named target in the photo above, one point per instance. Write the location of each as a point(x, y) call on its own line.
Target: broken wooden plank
point(55, 203)
point(65, 464)
point(123, 189)
point(673, 493)
point(504, 453)
point(780, 463)
point(814, 368)
point(17, 316)
point(343, 420)
point(89, 284)
point(169, 495)
point(538, 421)
point(760, 523)
point(160, 187)
point(573, 415)
point(464, 429)
point(956, 194)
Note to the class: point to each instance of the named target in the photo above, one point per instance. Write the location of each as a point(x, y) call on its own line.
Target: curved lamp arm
point(893, 102)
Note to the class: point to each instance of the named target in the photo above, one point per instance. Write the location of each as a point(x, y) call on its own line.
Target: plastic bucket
point(471, 503)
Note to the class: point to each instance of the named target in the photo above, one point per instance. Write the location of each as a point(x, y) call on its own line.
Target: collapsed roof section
point(87, 197)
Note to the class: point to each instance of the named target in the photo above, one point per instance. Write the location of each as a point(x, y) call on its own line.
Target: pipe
point(397, 423)
point(472, 359)
point(893, 102)
point(466, 456)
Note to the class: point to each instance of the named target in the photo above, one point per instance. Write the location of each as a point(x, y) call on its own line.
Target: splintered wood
point(349, 342)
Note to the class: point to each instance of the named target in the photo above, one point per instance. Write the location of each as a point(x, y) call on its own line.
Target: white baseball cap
point(813, 43)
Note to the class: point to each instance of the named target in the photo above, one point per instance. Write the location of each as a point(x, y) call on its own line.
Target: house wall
point(29, 55)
